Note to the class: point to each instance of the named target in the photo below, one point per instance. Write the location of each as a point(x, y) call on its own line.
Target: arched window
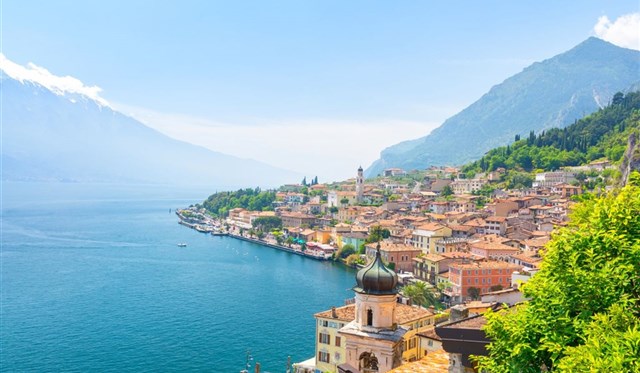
point(369, 317)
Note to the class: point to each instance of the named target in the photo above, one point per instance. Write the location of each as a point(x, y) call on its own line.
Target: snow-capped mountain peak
point(66, 86)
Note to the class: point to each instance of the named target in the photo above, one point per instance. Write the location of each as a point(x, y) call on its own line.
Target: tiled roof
point(435, 362)
point(344, 313)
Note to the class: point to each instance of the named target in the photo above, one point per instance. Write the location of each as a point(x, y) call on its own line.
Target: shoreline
point(210, 228)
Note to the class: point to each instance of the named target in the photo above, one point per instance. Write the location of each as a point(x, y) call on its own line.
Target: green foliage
point(420, 294)
point(377, 234)
point(474, 293)
point(267, 223)
point(345, 251)
point(219, 204)
point(354, 259)
point(446, 191)
point(584, 303)
point(601, 134)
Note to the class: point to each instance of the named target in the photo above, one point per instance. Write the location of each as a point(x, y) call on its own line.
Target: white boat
point(182, 245)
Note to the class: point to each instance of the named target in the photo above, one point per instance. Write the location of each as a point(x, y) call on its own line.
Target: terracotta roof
point(393, 247)
point(492, 246)
point(435, 362)
point(490, 264)
point(407, 314)
point(404, 314)
point(430, 227)
point(344, 313)
point(457, 255)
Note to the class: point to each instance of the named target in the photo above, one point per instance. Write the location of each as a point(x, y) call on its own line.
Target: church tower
point(360, 185)
point(373, 339)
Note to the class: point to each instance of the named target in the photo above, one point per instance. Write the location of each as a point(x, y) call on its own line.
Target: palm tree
point(420, 294)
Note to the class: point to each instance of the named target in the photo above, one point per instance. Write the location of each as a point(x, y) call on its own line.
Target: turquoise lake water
point(93, 280)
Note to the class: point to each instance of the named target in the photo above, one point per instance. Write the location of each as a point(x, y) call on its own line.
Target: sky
point(318, 87)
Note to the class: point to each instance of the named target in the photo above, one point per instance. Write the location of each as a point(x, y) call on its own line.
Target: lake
point(93, 280)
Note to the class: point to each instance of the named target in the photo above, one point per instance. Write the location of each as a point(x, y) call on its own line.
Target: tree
point(377, 234)
point(304, 181)
point(446, 191)
point(354, 259)
point(345, 251)
point(584, 307)
point(474, 293)
point(420, 294)
point(267, 223)
point(344, 201)
point(496, 287)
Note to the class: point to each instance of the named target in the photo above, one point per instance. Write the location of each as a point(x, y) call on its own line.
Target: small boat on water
point(182, 245)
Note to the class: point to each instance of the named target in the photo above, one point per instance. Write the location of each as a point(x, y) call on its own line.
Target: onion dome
point(376, 278)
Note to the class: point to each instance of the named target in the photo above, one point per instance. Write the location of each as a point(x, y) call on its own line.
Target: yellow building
point(426, 235)
point(330, 346)
point(375, 332)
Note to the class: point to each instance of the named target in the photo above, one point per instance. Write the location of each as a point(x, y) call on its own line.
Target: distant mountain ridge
point(547, 94)
point(51, 136)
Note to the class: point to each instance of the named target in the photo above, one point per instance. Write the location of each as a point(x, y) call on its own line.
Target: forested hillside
point(602, 134)
point(220, 203)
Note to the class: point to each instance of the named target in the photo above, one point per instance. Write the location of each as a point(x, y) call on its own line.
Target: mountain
point(547, 94)
point(51, 135)
point(603, 134)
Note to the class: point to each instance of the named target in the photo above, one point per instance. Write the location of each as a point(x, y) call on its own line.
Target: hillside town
point(469, 244)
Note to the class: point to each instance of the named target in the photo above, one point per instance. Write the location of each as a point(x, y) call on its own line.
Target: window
point(412, 343)
point(476, 281)
point(369, 317)
point(323, 356)
point(500, 279)
point(488, 271)
point(338, 340)
point(324, 338)
point(488, 281)
point(324, 323)
point(430, 343)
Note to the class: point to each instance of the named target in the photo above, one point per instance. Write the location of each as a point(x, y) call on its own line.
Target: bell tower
point(373, 339)
point(360, 185)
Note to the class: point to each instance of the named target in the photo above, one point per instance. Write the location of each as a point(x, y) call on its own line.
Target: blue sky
point(315, 86)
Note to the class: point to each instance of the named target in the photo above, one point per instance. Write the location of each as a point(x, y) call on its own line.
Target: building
point(394, 172)
point(381, 335)
point(400, 254)
point(297, 219)
point(425, 236)
point(467, 186)
point(495, 225)
point(492, 248)
point(359, 185)
point(549, 179)
point(482, 276)
point(330, 347)
point(428, 267)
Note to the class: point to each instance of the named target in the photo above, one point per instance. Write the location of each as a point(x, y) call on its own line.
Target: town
point(456, 247)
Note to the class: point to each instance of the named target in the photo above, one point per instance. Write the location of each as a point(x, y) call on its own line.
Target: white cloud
point(60, 85)
point(329, 149)
point(624, 31)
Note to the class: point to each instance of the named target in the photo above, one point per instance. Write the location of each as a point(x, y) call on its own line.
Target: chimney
point(458, 312)
point(334, 314)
